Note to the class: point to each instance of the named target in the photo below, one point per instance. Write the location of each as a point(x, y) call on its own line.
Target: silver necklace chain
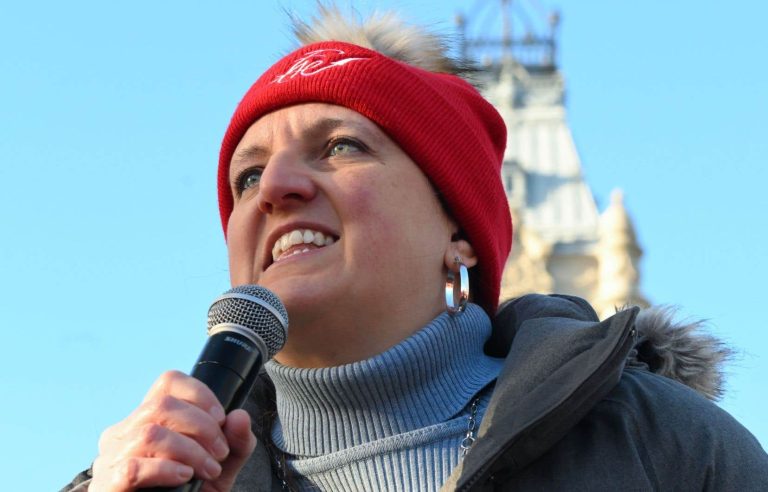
point(469, 438)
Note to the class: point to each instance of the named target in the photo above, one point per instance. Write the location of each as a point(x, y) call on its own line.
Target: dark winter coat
point(586, 405)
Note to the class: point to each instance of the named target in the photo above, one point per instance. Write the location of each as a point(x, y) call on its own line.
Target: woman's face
point(343, 226)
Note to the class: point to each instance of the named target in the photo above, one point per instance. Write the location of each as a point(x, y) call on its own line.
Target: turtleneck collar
point(424, 380)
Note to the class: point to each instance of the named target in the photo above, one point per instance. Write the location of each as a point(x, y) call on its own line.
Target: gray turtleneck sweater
point(391, 422)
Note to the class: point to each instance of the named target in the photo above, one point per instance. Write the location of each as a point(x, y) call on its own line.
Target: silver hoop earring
point(457, 293)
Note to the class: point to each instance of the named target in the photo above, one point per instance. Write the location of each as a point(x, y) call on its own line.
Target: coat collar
point(562, 362)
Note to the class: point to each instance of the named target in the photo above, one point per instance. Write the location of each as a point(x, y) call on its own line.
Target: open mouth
point(299, 241)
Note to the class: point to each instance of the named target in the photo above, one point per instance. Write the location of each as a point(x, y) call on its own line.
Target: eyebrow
point(256, 152)
point(253, 152)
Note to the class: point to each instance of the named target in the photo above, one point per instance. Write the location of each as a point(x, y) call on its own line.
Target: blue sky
point(111, 118)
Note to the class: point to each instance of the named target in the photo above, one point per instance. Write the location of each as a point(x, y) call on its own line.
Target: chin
point(301, 297)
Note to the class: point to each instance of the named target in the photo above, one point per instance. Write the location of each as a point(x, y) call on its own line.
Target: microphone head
point(255, 308)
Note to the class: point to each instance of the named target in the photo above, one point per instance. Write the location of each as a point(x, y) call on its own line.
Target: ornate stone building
point(562, 243)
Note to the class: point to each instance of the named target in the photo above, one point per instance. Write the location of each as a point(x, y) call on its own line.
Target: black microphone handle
point(228, 365)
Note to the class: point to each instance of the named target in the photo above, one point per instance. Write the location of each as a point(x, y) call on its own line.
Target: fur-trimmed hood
point(681, 350)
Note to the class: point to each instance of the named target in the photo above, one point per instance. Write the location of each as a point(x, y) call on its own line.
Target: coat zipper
point(618, 354)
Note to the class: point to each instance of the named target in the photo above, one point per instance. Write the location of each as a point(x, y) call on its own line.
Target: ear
point(463, 250)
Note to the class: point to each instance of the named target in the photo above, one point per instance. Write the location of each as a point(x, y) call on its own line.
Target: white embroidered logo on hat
point(315, 62)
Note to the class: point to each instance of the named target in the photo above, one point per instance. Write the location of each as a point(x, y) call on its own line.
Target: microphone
point(247, 325)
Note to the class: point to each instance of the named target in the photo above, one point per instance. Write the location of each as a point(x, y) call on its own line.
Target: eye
point(344, 146)
point(248, 179)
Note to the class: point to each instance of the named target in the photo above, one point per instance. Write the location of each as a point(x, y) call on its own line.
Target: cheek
point(241, 248)
point(396, 218)
point(372, 203)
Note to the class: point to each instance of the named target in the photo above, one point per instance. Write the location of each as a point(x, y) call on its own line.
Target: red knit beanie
point(446, 127)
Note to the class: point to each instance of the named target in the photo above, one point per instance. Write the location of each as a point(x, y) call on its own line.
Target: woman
point(354, 186)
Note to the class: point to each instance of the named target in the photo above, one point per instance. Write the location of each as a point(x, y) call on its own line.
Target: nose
point(285, 183)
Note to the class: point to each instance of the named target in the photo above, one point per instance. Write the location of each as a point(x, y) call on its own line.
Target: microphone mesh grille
point(250, 314)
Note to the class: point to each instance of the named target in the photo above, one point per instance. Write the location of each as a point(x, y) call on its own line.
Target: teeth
point(298, 236)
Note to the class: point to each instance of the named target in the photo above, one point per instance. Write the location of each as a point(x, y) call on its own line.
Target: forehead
point(310, 120)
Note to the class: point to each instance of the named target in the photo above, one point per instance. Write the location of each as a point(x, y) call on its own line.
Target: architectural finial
point(618, 256)
point(616, 225)
point(617, 197)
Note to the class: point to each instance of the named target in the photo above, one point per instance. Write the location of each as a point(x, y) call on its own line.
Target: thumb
point(242, 442)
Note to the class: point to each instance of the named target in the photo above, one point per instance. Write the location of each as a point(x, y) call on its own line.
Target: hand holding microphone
point(190, 425)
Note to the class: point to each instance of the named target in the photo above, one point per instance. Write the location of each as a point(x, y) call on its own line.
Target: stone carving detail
point(526, 268)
